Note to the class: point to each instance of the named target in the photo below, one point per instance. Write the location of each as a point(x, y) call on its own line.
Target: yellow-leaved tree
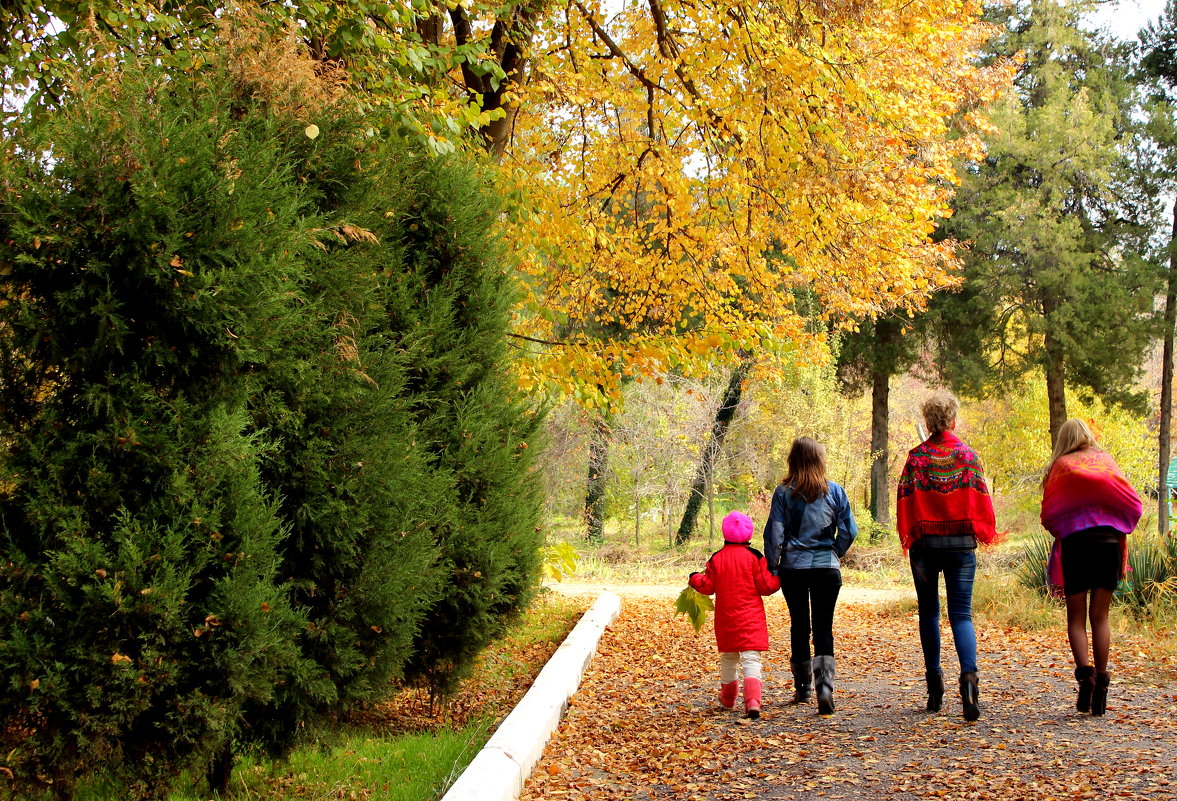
point(699, 182)
point(717, 181)
point(687, 168)
point(698, 168)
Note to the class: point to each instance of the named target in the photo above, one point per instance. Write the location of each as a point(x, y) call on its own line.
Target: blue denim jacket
point(801, 535)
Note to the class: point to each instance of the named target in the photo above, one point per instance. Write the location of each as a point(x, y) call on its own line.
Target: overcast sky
point(1125, 17)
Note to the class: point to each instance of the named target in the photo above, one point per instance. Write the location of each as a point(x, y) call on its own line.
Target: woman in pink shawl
point(1090, 508)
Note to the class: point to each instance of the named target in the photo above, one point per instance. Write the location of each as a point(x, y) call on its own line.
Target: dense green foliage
point(260, 451)
point(141, 603)
point(1056, 259)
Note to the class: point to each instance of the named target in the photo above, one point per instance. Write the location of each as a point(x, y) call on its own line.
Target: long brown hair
point(807, 469)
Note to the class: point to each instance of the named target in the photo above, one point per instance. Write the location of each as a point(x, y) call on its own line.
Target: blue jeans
point(959, 569)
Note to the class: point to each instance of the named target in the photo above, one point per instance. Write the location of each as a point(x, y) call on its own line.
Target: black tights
point(816, 589)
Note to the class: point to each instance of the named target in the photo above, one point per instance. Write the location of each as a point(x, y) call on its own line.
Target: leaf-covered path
point(645, 723)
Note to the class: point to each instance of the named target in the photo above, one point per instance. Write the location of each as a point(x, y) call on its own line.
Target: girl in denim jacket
point(810, 526)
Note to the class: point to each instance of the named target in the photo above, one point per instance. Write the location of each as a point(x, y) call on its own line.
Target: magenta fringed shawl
point(1086, 489)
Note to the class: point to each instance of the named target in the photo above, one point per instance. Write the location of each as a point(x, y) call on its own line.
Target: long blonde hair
point(807, 469)
point(1073, 435)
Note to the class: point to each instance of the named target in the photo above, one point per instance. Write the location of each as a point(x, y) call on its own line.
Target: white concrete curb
point(505, 762)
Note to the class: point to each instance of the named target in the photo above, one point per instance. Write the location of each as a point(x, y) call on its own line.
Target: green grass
point(376, 756)
point(409, 767)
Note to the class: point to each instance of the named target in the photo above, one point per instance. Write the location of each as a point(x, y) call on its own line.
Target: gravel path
point(849, 594)
point(645, 724)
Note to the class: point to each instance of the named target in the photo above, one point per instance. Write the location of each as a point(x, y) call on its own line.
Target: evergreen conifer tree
point(1055, 254)
point(261, 452)
point(482, 437)
point(1158, 68)
point(145, 267)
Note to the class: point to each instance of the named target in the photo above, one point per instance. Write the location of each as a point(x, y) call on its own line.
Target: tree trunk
point(1056, 395)
point(1167, 386)
point(711, 504)
point(220, 771)
point(64, 788)
point(880, 420)
point(723, 419)
point(637, 515)
point(594, 499)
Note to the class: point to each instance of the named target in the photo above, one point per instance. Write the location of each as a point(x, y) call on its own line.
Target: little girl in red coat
point(738, 575)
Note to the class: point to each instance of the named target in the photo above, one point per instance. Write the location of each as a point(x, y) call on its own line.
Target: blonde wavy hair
point(1073, 435)
point(939, 411)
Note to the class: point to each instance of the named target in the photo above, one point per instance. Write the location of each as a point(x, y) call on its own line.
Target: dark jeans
point(959, 569)
point(815, 588)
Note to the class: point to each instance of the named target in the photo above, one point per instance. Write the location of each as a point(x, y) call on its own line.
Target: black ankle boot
point(1085, 675)
point(802, 679)
point(1099, 697)
point(935, 681)
point(823, 681)
point(968, 695)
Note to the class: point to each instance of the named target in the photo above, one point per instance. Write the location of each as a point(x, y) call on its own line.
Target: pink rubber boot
point(752, 689)
point(728, 693)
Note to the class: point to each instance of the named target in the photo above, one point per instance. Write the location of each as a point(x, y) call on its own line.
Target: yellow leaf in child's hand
point(694, 605)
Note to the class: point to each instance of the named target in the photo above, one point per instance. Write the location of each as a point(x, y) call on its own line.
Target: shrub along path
point(646, 725)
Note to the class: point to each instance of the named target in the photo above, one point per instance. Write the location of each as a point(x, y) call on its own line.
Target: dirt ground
point(646, 724)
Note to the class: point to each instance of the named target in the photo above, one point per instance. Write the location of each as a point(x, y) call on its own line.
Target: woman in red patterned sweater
point(943, 509)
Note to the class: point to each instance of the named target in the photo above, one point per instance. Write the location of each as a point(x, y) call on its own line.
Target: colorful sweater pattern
point(942, 492)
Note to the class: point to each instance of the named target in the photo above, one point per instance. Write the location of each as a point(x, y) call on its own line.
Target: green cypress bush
point(259, 453)
point(139, 607)
point(482, 436)
point(348, 461)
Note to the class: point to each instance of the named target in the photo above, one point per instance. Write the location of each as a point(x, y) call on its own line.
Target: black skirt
point(1091, 560)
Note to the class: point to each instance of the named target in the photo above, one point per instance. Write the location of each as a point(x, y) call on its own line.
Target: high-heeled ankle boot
point(969, 695)
point(802, 679)
point(1085, 675)
point(935, 679)
point(1099, 697)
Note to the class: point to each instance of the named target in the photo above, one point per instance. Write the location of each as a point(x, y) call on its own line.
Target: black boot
point(968, 695)
point(823, 679)
point(935, 680)
point(802, 679)
point(1085, 675)
point(1099, 698)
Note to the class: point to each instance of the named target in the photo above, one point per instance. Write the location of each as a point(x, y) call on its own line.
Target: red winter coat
point(738, 575)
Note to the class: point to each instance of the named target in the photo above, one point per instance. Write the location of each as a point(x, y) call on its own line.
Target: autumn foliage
point(695, 167)
point(691, 180)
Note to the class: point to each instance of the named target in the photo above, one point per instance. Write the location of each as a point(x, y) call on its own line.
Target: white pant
point(729, 661)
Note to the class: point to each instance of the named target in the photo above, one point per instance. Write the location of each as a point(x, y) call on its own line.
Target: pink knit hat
point(737, 527)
